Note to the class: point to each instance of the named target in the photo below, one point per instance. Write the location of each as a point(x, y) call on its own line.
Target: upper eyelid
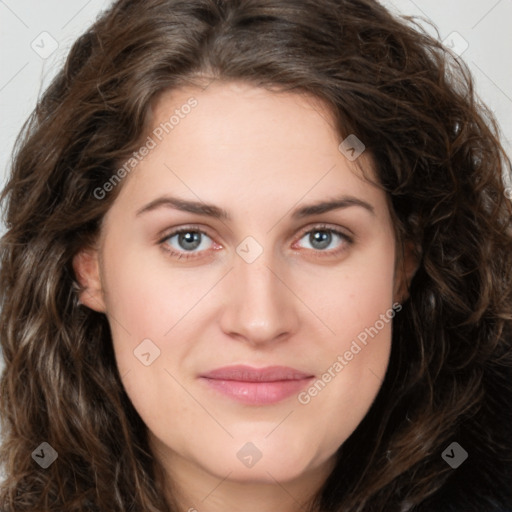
point(326, 227)
point(177, 230)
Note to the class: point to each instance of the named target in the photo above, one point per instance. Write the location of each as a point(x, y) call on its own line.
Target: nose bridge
point(256, 281)
point(260, 305)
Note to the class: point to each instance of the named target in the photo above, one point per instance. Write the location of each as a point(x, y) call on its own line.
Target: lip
point(257, 386)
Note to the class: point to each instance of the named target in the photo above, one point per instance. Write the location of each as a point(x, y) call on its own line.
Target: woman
point(258, 257)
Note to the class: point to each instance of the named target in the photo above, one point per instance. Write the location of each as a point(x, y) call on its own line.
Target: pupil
point(320, 239)
point(189, 238)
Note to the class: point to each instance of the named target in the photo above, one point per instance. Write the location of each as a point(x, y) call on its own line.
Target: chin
point(263, 472)
point(246, 463)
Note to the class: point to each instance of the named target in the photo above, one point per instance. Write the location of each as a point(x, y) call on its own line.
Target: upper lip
point(248, 374)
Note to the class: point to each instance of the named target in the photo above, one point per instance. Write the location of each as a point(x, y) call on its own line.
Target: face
point(300, 297)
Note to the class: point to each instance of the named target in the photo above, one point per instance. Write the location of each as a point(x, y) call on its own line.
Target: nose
point(260, 306)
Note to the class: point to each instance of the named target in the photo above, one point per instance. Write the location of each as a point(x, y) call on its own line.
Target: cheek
point(148, 320)
point(153, 314)
point(146, 298)
point(355, 357)
point(354, 365)
point(352, 297)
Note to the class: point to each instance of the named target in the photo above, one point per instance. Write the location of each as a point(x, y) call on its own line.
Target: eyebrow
point(211, 210)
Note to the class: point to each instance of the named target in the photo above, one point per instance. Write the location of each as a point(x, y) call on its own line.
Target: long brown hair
point(438, 156)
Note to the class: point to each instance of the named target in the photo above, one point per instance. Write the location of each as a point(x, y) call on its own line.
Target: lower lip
point(258, 393)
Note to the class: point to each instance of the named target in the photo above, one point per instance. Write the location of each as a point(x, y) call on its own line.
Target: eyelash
point(193, 229)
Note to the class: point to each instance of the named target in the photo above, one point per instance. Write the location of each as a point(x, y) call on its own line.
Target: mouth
point(257, 386)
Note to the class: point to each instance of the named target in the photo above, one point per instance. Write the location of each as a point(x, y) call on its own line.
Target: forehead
point(236, 140)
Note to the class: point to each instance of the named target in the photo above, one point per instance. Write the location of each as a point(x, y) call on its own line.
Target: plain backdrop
point(35, 37)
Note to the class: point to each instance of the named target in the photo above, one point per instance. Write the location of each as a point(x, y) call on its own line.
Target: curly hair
point(438, 156)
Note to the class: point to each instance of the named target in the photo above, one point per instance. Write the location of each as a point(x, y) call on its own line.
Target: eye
point(185, 242)
point(189, 242)
point(321, 237)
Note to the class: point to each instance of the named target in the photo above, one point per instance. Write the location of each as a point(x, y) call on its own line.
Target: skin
point(259, 155)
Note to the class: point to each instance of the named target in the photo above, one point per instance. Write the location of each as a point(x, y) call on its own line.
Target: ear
point(87, 272)
point(407, 265)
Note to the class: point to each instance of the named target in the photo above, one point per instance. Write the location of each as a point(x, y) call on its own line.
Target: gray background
point(30, 29)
